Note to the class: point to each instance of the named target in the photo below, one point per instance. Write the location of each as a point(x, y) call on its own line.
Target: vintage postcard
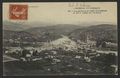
point(60, 38)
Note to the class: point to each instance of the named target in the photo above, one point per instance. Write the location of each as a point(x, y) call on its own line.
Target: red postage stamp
point(18, 12)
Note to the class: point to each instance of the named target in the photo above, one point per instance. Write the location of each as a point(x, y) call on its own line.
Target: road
point(8, 58)
point(107, 52)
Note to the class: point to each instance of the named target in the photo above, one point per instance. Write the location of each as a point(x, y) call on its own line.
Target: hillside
point(52, 32)
point(24, 36)
point(104, 32)
point(55, 29)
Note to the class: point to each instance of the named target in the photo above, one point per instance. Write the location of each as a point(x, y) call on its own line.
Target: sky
point(57, 13)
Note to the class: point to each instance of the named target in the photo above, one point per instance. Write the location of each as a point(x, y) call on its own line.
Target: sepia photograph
point(60, 38)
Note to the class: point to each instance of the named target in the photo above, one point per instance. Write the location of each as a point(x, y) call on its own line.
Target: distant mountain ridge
point(103, 31)
point(14, 26)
